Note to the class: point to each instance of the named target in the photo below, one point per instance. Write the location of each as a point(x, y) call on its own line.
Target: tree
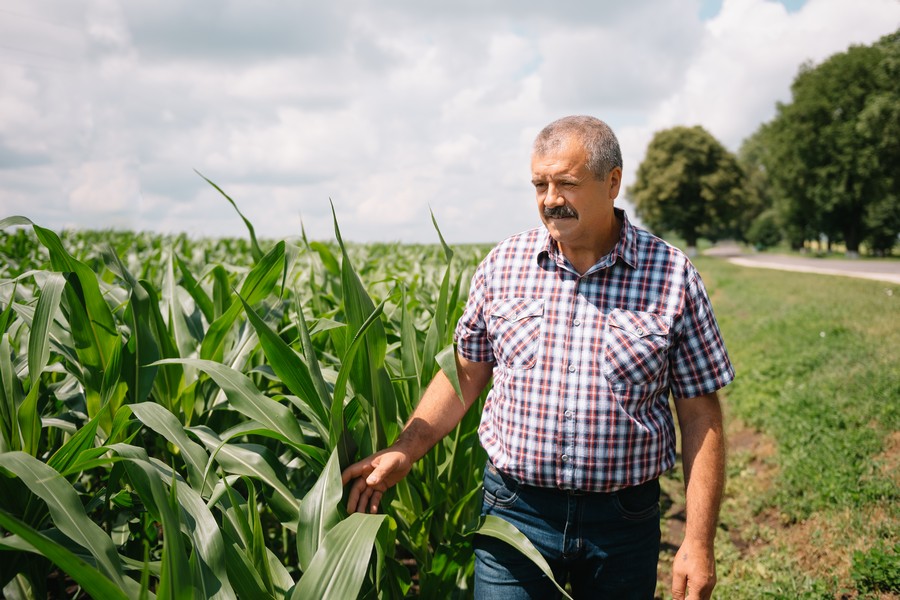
point(832, 152)
point(689, 184)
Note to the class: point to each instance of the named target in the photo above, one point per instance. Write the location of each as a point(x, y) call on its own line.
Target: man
point(586, 324)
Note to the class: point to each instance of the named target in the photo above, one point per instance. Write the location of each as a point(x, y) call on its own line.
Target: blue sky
point(387, 109)
point(711, 8)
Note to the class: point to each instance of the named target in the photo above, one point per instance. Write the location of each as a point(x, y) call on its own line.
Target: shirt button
point(576, 322)
point(569, 414)
point(639, 331)
point(571, 368)
point(565, 457)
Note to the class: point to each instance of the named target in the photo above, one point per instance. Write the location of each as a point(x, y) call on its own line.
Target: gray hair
point(599, 141)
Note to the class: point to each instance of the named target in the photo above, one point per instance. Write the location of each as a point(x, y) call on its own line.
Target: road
point(879, 270)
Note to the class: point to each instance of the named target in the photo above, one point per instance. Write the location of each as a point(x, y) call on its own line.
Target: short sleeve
point(699, 362)
point(471, 338)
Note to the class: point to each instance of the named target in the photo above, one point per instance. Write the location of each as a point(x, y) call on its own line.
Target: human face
point(576, 207)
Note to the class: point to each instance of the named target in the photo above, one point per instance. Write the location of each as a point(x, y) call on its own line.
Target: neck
point(585, 256)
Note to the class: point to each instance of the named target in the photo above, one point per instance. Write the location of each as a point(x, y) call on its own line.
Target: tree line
point(826, 167)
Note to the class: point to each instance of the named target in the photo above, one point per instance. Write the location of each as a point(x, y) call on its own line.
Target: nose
point(553, 197)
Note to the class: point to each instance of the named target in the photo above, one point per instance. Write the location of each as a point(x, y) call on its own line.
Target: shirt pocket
point(515, 328)
point(636, 346)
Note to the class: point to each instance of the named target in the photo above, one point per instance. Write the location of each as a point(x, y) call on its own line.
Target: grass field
point(811, 508)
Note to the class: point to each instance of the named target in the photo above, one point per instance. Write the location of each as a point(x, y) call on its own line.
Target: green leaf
point(245, 398)
point(169, 380)
point(90, 318)
point(319, 511)
point(328, 259)
point(39, 337)
point(95, 583)
point(309, 353)
point(67, 512)
point(165, 424)
point(347, 365)
point(496, 527)
point(339, 568)
point(71, 453)
point(290, 369)
point(10, 398)
point(448, 252)
point(204, 303)
point(14, 220)
point(254, 245)
point(197, 521)
point(446, 359)
point(257, 285)
point(249, 459)
point(30, 421)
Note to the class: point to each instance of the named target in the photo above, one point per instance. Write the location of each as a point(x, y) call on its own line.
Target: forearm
point(437, 413)
point(703, 455)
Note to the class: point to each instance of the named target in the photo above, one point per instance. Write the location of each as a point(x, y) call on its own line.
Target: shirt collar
point(625, 249)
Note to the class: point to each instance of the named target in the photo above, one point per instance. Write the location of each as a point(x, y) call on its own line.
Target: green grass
point(818, 372)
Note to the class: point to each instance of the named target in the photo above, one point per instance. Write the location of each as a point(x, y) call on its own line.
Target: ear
point(615, 182)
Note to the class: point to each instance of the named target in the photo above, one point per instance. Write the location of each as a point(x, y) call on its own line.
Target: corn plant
point(175, 415)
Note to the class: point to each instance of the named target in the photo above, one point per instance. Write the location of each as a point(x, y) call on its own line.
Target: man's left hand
point(693, 572)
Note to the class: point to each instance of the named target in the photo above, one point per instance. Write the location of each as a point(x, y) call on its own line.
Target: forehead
point(567, 158)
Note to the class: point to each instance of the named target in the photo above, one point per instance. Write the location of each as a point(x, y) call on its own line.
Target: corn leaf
point(254, 245)
point(446, 359)
point(290, 369)
point(10, 398)
point(67, 512)
point(39, 337)
point(175, 576)
point(347, 366)
point(319, 511)
point(505, 531)
point(338, 569)
point(204, 302)
point(73, 451)
point(30, 421)
point(90, 318)
point(89, 578)
point(165, 424)
point(250, 460)
point(246, 398)
point(169, 381)
point(257, 285)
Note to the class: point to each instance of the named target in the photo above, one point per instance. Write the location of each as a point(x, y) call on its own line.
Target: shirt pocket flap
point(516, 309)
point(639, 324)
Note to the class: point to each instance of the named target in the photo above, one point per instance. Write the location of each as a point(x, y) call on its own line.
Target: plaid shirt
point(584, 364)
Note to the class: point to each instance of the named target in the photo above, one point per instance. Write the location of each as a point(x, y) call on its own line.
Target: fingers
point(364, 497)
point(679, 585)
point(360, 469)
point(371, 478)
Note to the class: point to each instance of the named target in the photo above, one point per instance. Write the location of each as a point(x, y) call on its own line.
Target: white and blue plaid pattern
point(584, 364)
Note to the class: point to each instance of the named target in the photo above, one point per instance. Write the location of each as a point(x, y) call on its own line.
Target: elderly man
point(587, 325)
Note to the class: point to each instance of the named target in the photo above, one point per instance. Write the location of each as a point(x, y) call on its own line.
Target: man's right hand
point(373, 476)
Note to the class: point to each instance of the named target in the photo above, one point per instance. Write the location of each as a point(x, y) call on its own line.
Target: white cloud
point(103, 187)
point(387, 109)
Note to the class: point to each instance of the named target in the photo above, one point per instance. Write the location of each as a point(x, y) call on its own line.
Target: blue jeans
point(604, 545)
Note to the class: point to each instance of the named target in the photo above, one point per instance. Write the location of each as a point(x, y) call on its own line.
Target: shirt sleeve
point(699, 361)
point(471, 338)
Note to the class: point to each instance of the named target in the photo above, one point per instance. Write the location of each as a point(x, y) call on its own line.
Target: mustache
point(560, 212)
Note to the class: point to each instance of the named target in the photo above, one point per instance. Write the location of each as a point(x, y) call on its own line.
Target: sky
point(386, 110)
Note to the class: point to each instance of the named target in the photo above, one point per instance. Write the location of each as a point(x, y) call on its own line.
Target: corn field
point(175, 415)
